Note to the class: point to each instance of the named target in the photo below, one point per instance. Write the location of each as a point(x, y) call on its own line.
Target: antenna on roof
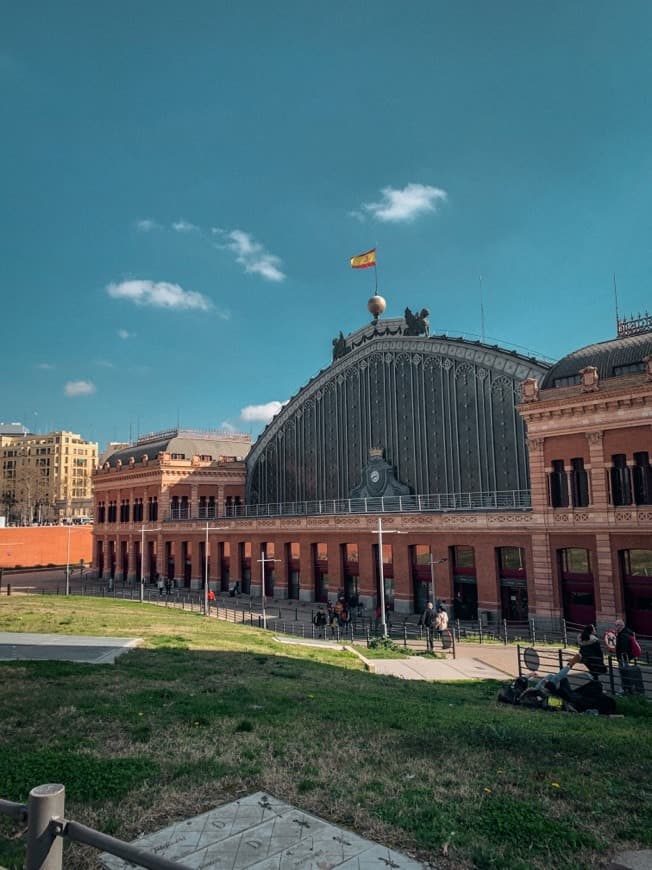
point(616, 301)
point(482, 331)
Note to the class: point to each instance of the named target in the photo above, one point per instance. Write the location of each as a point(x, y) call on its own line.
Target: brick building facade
point(420, 441)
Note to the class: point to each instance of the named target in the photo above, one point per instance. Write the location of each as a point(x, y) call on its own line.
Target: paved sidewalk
point(473, 661)
point(21, 646)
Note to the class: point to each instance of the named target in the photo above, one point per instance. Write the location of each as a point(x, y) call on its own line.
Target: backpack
point(635, 650)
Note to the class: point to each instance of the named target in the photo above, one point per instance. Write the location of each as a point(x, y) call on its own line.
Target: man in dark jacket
point(427, 620)
point(623, 641)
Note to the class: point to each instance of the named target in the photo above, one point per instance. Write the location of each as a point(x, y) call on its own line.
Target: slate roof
point(605, 356)
point(183, 442)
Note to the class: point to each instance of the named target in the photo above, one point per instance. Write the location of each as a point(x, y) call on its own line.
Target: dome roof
point(612, 359)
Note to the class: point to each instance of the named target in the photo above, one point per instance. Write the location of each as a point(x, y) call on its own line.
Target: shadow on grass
point(169, 732)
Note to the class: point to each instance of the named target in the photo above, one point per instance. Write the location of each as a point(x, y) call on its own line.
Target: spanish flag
point(364, 261)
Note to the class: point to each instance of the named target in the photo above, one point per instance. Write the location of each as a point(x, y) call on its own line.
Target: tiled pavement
point(259, 832)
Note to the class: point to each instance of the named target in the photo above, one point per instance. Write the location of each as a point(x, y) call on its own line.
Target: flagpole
point(376, 267)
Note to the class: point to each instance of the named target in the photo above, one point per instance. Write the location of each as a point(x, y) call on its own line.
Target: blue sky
point(183, 186)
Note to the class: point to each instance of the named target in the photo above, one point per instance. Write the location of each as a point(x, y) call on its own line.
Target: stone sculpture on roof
point(417, 324)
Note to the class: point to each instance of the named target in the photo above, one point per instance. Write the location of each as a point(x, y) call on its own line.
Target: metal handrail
point(46, 826)
point(511, 499)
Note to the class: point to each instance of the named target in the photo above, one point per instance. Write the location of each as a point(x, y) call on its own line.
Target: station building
point(510, 488)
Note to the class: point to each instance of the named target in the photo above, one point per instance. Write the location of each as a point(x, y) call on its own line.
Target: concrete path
point(419, 668)
point(15, 646)
point(259, 832)
point(472, 662)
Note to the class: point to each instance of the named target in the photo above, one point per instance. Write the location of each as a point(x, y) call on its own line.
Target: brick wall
point(44, 545)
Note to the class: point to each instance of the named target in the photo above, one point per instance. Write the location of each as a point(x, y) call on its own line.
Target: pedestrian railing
point(632, 678)
point(492, 500)
point(47, 827)
point(294, 618)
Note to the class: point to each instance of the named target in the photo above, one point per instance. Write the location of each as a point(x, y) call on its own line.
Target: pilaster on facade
point(598, 478)
point(487, 581)
point(538, 473)
point(306, 570)
point(605, 599)
point(367, 569)
point(335, 566)
point(544, 603)
point(402, 572)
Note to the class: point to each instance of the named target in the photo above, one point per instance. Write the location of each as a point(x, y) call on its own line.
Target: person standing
point(623, 641)
point(630, 677)
point(441, 620)
point(427, 620)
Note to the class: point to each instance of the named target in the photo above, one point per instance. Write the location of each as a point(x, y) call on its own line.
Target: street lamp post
point(142, 560)
point(208, 529)
point(68, 560)
point(379, 532)
point(432, 564)
point(263, 562)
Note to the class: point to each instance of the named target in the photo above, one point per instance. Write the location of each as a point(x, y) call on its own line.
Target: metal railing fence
point(537, 661)
point(513, 499)
point(296, 618)
point(47, 827)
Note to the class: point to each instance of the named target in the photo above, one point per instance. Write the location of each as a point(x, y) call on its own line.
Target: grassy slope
point(206, 711)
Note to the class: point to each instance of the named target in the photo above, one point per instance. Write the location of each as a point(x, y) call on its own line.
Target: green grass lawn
point(205, 712)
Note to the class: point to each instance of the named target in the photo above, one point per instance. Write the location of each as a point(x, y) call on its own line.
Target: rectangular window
point(629, 369)
point(351, 553)
point(569, 381)
point(511, 559)
point(558, 484)
point(579, 483)
point(463, 560)
point(642, 478)
point(621, 485)
point(576, 561)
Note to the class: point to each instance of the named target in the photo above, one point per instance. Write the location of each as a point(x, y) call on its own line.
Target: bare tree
point(32, 490)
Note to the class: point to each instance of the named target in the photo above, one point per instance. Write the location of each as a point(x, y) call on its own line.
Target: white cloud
point(45, 366)
point(404, 206)
point(261, 413)
point(104, 364)
point(159, 294)
point(252, 255)
point(125, 334)
point(184, 227)
point(146, 225)
point(225, 426)
point(79, 388)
